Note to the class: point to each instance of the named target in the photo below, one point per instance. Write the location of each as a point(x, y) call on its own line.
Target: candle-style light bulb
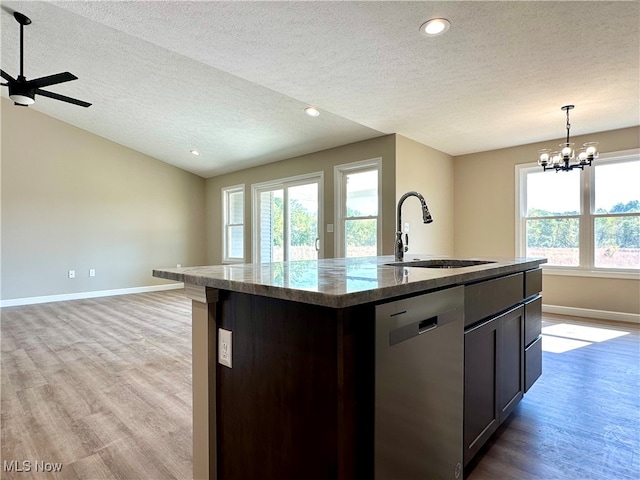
point(567, 151)
point(543, 157)
point(582, 156)
point(592, 149)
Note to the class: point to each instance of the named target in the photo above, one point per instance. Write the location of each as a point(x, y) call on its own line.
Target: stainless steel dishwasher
point(419, 360)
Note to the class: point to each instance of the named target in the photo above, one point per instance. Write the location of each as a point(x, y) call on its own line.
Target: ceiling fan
point(23, 91)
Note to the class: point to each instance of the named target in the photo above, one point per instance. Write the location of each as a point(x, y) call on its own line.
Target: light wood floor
point(104, 387)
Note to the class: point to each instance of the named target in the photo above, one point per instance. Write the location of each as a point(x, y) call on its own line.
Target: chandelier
point(566, 159)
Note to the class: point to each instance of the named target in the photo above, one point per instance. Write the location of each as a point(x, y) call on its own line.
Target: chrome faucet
point(426, 218)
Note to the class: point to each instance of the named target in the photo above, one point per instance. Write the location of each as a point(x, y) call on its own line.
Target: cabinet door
point(511, 365)
point(481, 409)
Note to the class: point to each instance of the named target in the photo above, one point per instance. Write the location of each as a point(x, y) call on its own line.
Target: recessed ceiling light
point(435, 26)
point(312, 111)
point(194, 152)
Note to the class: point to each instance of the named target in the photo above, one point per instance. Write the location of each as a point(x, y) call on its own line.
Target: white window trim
point(257, 188)
point(586, 269)
point(225, 200)
point(339, 189)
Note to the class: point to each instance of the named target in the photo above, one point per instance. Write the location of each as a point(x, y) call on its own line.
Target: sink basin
point(440, 263)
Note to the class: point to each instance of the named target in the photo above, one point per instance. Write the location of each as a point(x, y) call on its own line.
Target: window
point(582, 220)
point(233, 224)
point(357, 203)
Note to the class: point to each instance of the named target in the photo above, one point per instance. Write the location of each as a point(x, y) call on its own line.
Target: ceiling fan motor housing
point(21, 95)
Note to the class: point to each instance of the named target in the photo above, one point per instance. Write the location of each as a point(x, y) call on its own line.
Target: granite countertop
point(340, 282)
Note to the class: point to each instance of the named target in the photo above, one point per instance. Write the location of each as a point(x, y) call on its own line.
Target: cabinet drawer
point(532, 320)
point(484, 299)
point(532, 282)
point(532, 363)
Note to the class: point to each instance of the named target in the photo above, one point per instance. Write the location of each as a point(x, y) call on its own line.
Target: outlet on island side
point(224, 347)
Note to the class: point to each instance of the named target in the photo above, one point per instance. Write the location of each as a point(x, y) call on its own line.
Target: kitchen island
point(298, 400)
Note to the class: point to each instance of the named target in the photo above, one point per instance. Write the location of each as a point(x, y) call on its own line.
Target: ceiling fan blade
point(51, 80)
point(6, 76)
point(57, 96)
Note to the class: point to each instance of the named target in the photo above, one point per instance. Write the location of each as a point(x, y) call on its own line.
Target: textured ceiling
point(232, 78)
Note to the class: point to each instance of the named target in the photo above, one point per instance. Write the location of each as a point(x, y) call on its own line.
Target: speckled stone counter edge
point(333, 288)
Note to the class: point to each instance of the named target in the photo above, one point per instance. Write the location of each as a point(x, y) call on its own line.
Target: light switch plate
point(329, 227)
point(224, 347)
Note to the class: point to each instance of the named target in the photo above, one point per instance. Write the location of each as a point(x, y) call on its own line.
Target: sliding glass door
point(288, 220)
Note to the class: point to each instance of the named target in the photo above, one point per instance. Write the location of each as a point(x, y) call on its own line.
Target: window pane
point(235, 242)
point(303, 222)
point(617, 242)
point(362, 194)
point(271, 226)
point(555, 239)
point(236, 207)
point(552, 194)
point(617, 187)
point(360, 238)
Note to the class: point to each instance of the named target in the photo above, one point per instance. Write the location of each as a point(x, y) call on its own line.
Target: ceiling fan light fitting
point(22, 99)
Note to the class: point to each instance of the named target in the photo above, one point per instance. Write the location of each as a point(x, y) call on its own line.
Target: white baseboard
point(80, 295)
point(588, 313)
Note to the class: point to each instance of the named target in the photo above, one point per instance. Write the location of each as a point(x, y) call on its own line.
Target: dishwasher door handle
point(414, 329)
point(428, 324)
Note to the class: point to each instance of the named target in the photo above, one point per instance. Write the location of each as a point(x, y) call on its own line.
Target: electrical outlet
point(178, 266)
point(224, 347)
point(92, 272)
point(72, 274)
point(406, 227)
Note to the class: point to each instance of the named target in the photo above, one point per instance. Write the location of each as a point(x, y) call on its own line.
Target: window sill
point(583, 272)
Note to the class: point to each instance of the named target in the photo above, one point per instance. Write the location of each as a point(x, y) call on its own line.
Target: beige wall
point(484, 220)
point(324, 161)
point(73, 201)
point(429, 172)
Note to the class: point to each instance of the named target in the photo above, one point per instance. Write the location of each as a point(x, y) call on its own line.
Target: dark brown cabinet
point(503, 351)
point(532, 341)
point(511, 365)
point(481, 409)
point(493, 383)
point(485, 299)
